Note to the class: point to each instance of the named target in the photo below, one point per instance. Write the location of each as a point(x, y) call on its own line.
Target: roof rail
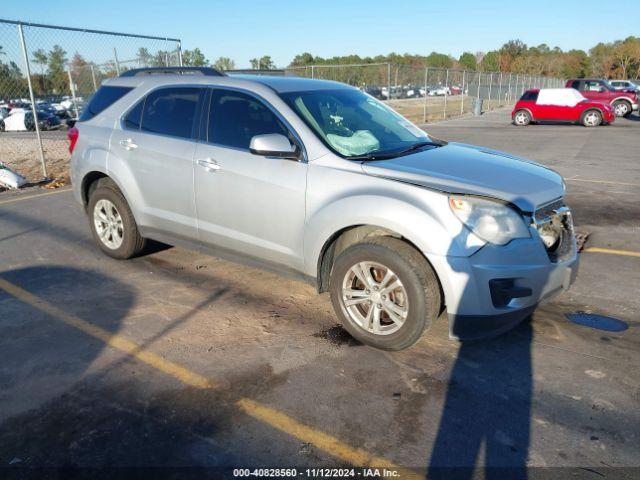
point(208, 71)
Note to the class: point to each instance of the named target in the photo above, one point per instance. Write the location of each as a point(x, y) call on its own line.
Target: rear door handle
point(209, 164)
point(128, 144)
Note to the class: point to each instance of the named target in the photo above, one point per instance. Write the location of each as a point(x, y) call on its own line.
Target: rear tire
point(521, 118)
point(622, 108)
point(591, 118)
point(112, 223)
point(396, 303)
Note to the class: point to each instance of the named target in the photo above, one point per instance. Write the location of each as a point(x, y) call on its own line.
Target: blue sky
point(244, 29)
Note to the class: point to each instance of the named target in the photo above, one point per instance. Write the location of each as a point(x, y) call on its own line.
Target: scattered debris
point(199, 267)
point(60, 181)
point(581, 240)
point(599, 322)
point(9, 178)
point(305, 448)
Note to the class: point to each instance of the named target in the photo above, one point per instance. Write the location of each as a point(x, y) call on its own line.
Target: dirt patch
point(337, 336)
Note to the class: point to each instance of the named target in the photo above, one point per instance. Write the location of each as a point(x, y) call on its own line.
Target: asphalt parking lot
point(177, 359)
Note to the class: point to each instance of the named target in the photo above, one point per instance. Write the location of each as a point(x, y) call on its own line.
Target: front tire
point(521, 118)
point(385, 292)
point(112, 223)
point(591, 118)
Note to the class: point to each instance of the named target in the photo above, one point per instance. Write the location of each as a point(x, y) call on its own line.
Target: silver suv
point(321, 179)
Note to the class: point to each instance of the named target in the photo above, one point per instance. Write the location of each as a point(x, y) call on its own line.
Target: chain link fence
point(48, 73)
point(428, 94)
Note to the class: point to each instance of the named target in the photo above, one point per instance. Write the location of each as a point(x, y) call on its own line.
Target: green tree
point(303, 60)
point(262, 63)
point(39, 57)
point(56, 72)
point(467, 61)
point(490, 62)
point(144, 57)
point(194, 58)
point(435, 59)
point(224, 63)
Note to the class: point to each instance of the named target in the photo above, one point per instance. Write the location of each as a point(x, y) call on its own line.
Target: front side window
point(352, 123)
point(134, 117)
point(171, 111)
point(235, 118)
point(592, 86)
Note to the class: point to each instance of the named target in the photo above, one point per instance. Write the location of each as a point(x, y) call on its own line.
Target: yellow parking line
point(29, 197)
point(116, 341)
point(270, 416)
point(626, 253)
point(321, 440)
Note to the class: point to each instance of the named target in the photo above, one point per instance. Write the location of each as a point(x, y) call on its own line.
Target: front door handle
point(128, 144)
point(209, 164)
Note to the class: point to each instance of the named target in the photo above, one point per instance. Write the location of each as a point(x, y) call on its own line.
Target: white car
point(18, 120)
point(440, 91)
point(21, 120)
point(625, 84)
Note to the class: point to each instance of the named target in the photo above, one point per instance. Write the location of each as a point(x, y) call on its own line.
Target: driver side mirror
point(274, 145)
point(602, 89)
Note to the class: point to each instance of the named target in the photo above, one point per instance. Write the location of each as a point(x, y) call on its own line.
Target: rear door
point(245, 202)
point(157, 141)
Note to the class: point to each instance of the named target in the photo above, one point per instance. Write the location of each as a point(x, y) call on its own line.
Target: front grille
point(555, 226)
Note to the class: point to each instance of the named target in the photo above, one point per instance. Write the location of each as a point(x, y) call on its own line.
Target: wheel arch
point(91, 179)
point(623, 99)
point(528, 110)
point(591, 109)
point(351, 235)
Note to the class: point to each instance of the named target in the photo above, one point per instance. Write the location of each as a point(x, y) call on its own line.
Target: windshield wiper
point(398, 153)
point(419, 145)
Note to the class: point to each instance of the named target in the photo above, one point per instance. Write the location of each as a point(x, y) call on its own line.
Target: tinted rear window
point(171, 111)
point(102, 99)
point(529, 97)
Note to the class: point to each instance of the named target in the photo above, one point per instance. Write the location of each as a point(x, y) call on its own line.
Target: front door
point(248, 203)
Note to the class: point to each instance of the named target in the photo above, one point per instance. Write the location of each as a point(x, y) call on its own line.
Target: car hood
point(460, 168)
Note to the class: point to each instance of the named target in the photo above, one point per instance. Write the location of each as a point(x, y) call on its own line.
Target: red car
point(560, 105)
point(623, 101)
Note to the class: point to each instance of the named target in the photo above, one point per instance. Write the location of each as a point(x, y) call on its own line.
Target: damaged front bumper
point(497, 287)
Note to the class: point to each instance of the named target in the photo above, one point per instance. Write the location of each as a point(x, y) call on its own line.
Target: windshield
point(354, 124)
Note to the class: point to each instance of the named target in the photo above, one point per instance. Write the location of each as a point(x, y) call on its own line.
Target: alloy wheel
point(521, 118)
point(108, 224)
point(374, 298)
point(592, 119)
point(621, 109)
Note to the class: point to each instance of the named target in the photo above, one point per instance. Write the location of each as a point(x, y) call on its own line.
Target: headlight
point(490, 220)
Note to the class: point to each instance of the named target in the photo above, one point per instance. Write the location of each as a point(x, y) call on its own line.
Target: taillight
point(72, 135)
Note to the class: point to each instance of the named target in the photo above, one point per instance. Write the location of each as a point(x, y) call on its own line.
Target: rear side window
point(529, 97)
point(171, 111)
point(103, 99)
point(235, 118)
